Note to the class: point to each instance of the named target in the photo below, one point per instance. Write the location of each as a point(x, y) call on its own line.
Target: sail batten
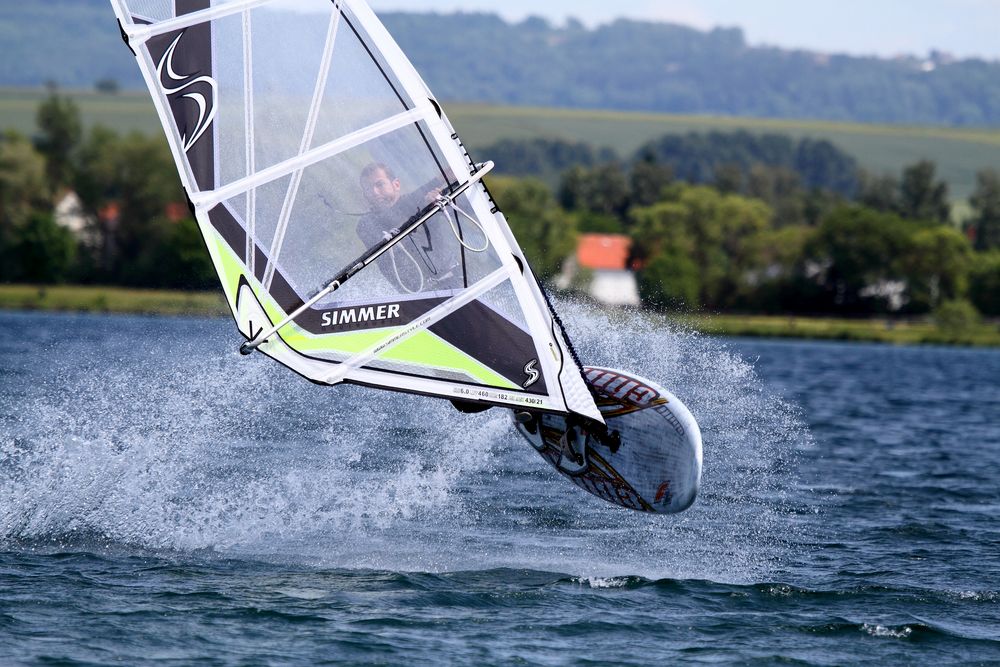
point(430, 319)
point(139, 33)
point(306, 140)
point(210, 198)
point(250, 143)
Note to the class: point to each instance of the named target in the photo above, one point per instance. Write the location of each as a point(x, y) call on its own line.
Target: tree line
point(765, 224)
point(625, 65)
point(645, 66)
point(130, 232)
point(766, 231)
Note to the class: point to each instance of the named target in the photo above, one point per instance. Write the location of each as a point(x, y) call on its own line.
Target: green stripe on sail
point(230, 268)
point(423, 349)
point(426, 345)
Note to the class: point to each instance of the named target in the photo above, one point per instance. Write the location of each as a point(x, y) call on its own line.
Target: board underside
point(656, 468)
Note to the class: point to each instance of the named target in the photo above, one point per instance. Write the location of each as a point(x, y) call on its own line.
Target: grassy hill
point(959, 153)
point(126, 112)
point(625, 65)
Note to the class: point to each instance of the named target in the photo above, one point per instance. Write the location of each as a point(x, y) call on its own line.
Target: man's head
point(380, 186)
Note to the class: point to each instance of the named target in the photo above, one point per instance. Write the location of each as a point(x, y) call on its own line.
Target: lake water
point(164, 500)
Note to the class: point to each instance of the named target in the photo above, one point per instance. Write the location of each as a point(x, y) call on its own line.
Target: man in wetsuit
point(429, 259)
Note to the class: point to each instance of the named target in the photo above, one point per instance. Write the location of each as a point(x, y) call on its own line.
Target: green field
point(959, 153)
point(67, 298)
point(124, 112)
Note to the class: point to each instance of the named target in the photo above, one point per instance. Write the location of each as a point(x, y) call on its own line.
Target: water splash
point(183, 446)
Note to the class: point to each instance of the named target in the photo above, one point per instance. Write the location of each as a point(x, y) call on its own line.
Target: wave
point(183, 446)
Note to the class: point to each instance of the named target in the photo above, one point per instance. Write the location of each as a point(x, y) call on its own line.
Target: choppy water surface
point(164, 500)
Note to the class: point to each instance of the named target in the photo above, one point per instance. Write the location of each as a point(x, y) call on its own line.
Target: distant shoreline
point(869, 330)
point(111, 300)
point(122, 301)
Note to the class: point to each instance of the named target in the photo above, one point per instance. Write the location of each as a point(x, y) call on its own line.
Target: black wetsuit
point(429, 259)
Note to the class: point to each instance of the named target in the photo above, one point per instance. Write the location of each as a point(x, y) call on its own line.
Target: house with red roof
point(600, 267)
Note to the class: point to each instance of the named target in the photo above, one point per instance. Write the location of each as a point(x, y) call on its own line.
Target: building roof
point(609, 252)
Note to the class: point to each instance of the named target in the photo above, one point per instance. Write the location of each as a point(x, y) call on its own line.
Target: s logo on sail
point(532, 373)
point(203, 91)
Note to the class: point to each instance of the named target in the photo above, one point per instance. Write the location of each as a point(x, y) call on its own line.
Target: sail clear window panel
point(267, 64)
point(358, 28)
point(287, 53)
point(269, 199)
point(328, 205)
point(503, 301)
point(231, 135)
point(331, 223)
point(477, 265)
point(152, 10)
point(357, 93)
point(429, 263)
point(238, 208)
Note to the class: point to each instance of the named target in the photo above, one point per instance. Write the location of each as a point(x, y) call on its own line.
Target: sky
point(966, 28)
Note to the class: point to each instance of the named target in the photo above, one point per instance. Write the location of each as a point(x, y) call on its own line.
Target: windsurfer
point(414, 264)
point(425, 261)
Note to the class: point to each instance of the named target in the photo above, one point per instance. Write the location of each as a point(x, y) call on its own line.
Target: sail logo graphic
point(621, 388)
point(361, 315)
point(191, 87)
point(531, 371)
point(663, 495)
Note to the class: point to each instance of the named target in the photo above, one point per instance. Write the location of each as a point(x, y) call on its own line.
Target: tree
point(648, 180)
point(728, 178)
point(22, 180)
point(136, 176)
point(189, 264)
point(984, 282)
point(956, 317)
point(709, 229)
point(60, 133)
point(107, 86)
point(603, 189)
point(985, 203)
point(855, 260)
point(546, 233)
point(782, 190)
point(771, 281)
point(42, 251)
point(880, 193)
point(173, 256)
point(671, 280)
point(727, 158)
point(23, 191)
point(821, 165)
point(921, 197)
point(936, 265)
point(544, 158)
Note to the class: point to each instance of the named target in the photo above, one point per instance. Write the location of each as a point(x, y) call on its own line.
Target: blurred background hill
point(624, 65)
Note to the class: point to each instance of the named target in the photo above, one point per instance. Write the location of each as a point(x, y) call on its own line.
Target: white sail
point(305, 139)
